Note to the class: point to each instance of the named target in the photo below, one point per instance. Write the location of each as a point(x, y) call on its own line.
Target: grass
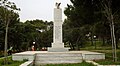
point(108, 60)
point(77, 64)
point(108, 54)
point(10, 62)
point(99, 46)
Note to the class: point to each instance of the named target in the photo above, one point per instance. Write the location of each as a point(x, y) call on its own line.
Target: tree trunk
point(103, 41)
point(5, 47)
point(73, 48)
point(109, 14)
point(91, 39)
point(113, 39)
point(117, 40)
point(77, 45)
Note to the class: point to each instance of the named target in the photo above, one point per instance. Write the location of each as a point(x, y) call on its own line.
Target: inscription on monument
point(57, 32)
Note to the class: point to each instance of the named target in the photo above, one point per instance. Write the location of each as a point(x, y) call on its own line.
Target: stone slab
point(29, 55)
point(87, 55)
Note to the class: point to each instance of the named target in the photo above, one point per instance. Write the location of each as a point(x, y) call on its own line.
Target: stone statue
point(58, 5)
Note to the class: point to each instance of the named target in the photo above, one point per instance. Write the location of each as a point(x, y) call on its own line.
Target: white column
point(57, 45)
point(57, 26)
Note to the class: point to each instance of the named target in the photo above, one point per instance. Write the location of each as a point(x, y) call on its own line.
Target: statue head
point(57, 5)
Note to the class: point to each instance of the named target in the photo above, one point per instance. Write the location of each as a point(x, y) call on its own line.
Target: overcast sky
point(38, 9)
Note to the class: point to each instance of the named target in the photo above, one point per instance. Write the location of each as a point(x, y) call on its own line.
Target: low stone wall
point(21, 57)
point(29, 55)
point(93, 56)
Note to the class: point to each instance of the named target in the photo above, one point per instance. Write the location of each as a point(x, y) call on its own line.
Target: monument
point(57, 54)
point(57, 45)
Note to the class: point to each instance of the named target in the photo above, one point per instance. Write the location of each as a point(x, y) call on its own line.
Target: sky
point(38, 9)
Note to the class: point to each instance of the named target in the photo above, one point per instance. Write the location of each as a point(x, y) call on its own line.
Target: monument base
point(57, 49)
point(45, 57)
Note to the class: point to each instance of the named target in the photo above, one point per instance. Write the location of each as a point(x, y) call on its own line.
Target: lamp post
point(40, 31)
point(94, 41)
point(33, 47)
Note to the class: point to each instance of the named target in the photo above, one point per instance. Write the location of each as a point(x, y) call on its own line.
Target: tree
point(7, 15)
point(74, 37)
point(104, 13)
point(80, 15)
point(15, 30)
point(111, 9)
point(37, 31)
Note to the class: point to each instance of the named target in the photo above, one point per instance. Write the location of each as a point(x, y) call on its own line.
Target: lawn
point(108, 60)
point(10, 62)
point(108, 54)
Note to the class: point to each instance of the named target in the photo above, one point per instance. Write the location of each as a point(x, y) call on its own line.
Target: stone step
point(59, 58)
point(59, 54)
point(57, 61)
point(47, 58)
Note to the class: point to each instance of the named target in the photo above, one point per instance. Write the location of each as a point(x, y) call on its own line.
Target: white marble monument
point(57, 54)
point(57, 45)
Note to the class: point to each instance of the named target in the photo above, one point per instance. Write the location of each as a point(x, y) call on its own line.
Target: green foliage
point(79, 22)
point(88, 16)
point(7, 15)
point(10, 62)
point(14, 19)
point(36, 30)
point(21, 35)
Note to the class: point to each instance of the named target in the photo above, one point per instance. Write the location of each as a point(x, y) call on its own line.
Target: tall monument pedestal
point(57, 45)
